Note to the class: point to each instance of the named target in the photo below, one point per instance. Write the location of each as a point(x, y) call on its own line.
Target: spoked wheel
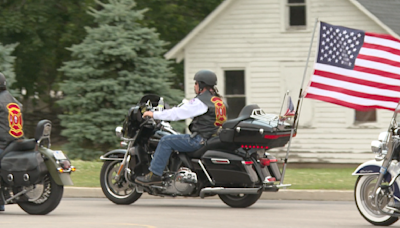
point(366, 203)
point(240, 200)
point(118, 191)
point(43, 199)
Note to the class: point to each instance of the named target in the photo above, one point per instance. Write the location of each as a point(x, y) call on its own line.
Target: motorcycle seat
point(211, 144)
point(20, 145)
point(245, 113)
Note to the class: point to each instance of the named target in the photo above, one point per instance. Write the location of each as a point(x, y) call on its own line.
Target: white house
point(259, 49)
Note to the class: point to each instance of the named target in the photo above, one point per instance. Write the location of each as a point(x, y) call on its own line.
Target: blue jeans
point(169, 143)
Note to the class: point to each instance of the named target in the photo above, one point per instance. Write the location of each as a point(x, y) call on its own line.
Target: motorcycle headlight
point(376, 146)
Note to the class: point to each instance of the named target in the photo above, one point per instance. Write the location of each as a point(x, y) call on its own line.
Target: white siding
point(250, 35)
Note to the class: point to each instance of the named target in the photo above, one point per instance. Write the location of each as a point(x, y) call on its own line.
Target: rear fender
point(52, 165)
point(113, 155)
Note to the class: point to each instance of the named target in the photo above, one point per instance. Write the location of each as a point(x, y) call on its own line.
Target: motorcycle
point(376, 192)
point(32, 175)
point(234, 165)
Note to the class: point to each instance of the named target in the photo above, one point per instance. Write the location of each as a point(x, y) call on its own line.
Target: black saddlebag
point(22, 168)
point(253, 133)
point(228, 169)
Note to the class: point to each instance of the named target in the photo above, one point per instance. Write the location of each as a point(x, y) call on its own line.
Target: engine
point(183, 182)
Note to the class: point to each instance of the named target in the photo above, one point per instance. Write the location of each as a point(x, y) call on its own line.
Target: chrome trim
point(283, 185)
point(220, 161)
point(110, 159)
point(227, 191)
point(205, 171)
point(238, 129)
point(30, 188)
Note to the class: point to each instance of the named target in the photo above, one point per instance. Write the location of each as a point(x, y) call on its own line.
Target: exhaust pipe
point(227, 191)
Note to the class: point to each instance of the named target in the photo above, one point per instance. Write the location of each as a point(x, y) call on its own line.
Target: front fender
point(113, 155)
point(371, 167)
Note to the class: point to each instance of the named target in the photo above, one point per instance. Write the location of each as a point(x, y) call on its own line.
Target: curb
point(283, 194)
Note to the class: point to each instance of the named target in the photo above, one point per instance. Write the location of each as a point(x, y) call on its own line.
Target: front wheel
point(240, 200)
point(366, 204)
point(118, 191)
point(44, 198)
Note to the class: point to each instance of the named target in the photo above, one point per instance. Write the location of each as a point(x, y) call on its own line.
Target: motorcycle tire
point(240, 200)
point(366, 206)
point(48, 195)
point(119, 192)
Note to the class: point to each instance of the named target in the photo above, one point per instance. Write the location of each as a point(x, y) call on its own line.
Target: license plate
point(59, 155)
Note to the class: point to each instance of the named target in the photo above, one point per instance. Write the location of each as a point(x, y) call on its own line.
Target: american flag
point(356, 69)
point(290, 109)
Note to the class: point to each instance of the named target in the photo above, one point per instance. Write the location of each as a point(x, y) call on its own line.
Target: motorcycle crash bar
point(227, 191)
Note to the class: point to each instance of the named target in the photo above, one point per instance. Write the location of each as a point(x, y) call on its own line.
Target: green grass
point(88, 175)
point(327, 178)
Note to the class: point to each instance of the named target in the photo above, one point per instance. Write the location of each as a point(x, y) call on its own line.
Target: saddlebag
point(22, 168)
point(228, 169)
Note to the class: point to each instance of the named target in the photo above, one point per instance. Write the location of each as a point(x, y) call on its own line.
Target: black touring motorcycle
point(234, 165)
point(32, 175)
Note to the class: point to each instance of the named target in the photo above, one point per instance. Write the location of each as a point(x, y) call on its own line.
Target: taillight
point(266, 162)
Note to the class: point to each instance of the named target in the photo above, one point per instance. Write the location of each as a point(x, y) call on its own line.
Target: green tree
point(43, 29)
point(118, 62)
point(174, 19)
point(7, 62)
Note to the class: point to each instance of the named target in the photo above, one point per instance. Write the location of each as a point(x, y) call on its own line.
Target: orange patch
point(220, 111)
point(15, 120)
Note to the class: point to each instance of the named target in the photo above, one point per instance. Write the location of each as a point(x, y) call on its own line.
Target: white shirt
point(189, 110)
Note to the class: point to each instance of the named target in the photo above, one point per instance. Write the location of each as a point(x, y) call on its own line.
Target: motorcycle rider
point(10, 118)
point(208, 112)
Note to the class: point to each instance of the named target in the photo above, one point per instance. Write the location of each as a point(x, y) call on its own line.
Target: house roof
point(177, 52)
point(384, 12)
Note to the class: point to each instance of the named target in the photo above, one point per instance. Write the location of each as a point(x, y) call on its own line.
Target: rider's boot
point(148, 179)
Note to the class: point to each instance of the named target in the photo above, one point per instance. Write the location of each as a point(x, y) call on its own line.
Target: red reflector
point(271, 179)
point(277, 136)
point(247, 162)
point(264, 162)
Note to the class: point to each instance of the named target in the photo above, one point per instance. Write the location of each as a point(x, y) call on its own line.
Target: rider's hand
point(148, 113)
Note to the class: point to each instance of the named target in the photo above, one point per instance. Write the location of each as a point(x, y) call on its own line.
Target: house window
point(296, 13)
point(363, 117)
point(234, 92)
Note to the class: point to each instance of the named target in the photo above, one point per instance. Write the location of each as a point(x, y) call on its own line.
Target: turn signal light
point(73, 169)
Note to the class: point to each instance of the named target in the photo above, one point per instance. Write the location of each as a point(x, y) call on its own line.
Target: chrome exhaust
point(227, 191)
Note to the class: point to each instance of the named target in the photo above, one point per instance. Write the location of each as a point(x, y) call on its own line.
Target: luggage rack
point(259, 114)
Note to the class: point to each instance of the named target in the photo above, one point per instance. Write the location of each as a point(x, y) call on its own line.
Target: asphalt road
point(189, 213)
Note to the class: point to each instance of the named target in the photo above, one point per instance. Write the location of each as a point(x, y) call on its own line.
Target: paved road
point(189, 213)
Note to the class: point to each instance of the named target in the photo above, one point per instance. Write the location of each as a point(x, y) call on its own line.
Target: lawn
point(88, 175)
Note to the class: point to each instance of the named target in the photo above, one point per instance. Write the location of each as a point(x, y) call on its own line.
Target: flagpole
point(297, 108)
point(296, 116)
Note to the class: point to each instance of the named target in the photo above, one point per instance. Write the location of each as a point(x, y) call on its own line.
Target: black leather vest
point(207, 124)
point(10, 119)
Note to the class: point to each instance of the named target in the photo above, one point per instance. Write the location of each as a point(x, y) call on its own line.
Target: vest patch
point(220, 111)
point(15, 120)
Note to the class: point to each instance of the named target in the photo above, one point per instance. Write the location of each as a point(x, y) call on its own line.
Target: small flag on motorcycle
point(290, 108)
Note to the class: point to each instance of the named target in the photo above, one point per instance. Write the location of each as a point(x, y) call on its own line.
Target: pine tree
point(7, 62)
point(117, 63)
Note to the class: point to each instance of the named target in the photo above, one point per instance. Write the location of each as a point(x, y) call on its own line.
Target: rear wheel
point(366, 204)
point(44, 198)
point(240, 200)
point(118, 191)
